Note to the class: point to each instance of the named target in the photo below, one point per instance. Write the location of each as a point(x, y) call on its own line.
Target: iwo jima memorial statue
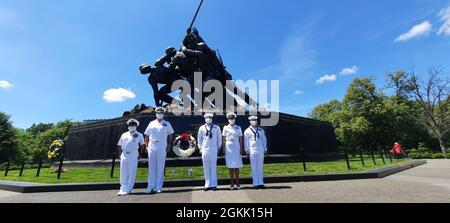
point(193, 62)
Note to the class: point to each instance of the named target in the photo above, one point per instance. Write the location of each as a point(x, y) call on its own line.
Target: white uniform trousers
point(257, 162)
point(210, 168)
point(128, 168)
point(156, 165)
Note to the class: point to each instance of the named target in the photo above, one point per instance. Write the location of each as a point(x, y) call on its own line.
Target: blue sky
point(57, 58)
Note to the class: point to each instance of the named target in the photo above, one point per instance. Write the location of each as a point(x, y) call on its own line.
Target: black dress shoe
point(207, 189)
point(262, 187)
point(214, 188)
point(256, 187)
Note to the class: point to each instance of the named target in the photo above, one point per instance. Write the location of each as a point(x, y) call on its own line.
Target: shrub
point(437, 156)
point(424, 153)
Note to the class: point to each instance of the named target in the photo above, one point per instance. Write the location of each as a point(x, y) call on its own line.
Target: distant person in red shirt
point(397, 150)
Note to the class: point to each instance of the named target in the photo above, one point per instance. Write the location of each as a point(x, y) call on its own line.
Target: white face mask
point(208, 120)
point(159, 116)
point(231, 121)
point(254, 123)
point(132, 128)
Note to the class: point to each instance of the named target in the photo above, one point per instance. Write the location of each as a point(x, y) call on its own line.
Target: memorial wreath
point(56, 149)
point(184, 145)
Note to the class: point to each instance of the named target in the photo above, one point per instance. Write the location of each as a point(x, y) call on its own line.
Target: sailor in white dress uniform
point(233, 149)
point(130, 142)
point(209, 139)
point(255, 144)
point(159, 139)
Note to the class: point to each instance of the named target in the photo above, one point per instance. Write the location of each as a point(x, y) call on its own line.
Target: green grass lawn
point(83, 175)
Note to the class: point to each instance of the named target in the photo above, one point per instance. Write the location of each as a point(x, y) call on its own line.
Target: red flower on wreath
point(185, 137)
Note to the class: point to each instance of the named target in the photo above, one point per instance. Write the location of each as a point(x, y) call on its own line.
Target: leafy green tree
point(360, 118)
point(31, 144)
point(366, 116)
point(350, 130)
point(432, 93)
point(25, 142)
point(417, 112)
point(405, 111)
point(398, 81)
point(8, 142)
point(324, 112)
point(37, 129)
point(43, 140)
point(406, 127)
point(367, 108)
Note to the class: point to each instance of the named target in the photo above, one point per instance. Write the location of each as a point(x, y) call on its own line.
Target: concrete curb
point(372, 174)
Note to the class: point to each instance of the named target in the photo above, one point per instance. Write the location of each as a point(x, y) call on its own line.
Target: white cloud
point(326, 78)
point(298, 92)
point(349, 70)
point(118, 95)
point(417, 31)
point(444, 16)
point(5, 85)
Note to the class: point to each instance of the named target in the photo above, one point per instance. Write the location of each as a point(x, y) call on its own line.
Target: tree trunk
point(443, 148)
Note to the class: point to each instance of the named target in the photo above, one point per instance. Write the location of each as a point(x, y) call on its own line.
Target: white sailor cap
point(208, 115)
point(132, 121)
point(253, 118)
point(231, 114)
point(160, 110)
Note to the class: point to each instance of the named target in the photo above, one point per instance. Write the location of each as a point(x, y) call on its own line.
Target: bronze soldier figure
point(161, 74)
point(194, 56)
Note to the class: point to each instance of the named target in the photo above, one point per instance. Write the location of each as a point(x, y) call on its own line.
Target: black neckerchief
point(256, 134)
point(208, 132)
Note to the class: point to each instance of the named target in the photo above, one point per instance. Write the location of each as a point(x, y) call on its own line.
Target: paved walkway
point(427, 183)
